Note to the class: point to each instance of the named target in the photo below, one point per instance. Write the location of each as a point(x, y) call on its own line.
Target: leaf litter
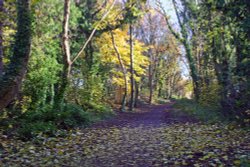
point(151, 137)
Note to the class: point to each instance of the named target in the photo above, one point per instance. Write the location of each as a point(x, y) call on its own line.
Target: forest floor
point(154, 135)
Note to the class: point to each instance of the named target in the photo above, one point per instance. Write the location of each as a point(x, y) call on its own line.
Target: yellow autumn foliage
point(109, 57)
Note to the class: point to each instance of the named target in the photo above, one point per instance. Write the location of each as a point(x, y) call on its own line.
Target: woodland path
point(146, 116)
point(152, 136)
point(156, 136)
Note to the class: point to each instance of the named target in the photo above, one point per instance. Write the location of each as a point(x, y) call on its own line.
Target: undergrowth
point(209, 114)
point(48, 121)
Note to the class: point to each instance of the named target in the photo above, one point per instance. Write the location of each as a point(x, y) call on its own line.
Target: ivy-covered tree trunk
point(192, 67)
point(11, 81)
point(1, 36)
point(64, 82)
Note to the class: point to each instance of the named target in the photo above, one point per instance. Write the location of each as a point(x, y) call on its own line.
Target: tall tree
point(133, 14)
point(67, 62)
point(11, 81)
point(124, 71)
point(1, 36)
point(66, 55)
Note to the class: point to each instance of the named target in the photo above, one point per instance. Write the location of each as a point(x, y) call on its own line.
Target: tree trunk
point(11, 81)
point(66, 57)
point(169, 89)
point(192, 67)
point(150, 86)
point(52, 94)
point(1, 37)
point(137, 91)
point(132, 80)
point(150, 78)
point(124, 71)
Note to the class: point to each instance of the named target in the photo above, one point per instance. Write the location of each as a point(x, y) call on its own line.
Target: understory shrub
point(73, 115)
point(48, 121)
point(32, 129)
point(209, 95)
point(99, 110)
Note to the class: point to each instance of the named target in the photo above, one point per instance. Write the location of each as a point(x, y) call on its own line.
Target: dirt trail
point(156, 136)
point(146, 115)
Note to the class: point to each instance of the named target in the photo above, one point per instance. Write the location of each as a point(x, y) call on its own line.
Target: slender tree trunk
point(159, 90)
point(1, 36)
point(11, 81)
point(137, 91)
point(169, 89)
point(66, 57)
point(52, 94)
point(124, 71)
point(132, 80)
point(150, 78)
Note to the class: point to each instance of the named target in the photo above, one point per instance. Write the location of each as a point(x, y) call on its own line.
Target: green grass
point(162, 101)
point(209, 114)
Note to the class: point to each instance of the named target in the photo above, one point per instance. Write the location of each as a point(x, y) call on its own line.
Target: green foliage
point(43, 66)
point(30, 130)
point(73, 116)
point(209, 95)
point(34, 122)
point(48, 121)
point(40, 79)
point(101, 111)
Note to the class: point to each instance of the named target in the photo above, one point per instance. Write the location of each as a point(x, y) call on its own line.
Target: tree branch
point(93, 32)
point(164, 14)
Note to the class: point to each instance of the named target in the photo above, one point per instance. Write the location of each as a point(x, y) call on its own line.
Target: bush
point(72, 116)
point(32, 129)
point(100, 111)
point(47, 121)
point(210, 95)
point(45, 115)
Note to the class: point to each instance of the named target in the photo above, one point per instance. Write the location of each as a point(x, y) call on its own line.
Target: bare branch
point(162, 11)
point(93, 31)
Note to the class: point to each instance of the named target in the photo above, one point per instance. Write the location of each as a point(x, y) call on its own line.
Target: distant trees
point(183, 38)
point(163, 55)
